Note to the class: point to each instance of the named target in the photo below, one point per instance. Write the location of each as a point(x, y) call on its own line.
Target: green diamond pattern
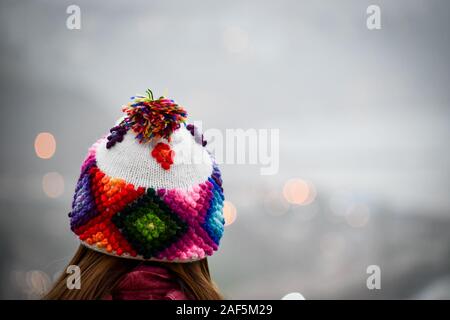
point(149, 225)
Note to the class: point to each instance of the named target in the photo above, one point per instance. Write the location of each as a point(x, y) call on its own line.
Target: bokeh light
point(229, 212)
point(53, 184)
point(299, 192)
point(45, 145)
point(38, 282)
point(348, 206)
point(293, 296)
point(358, 215)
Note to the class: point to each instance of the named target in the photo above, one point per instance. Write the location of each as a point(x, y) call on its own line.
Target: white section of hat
point(133, 162)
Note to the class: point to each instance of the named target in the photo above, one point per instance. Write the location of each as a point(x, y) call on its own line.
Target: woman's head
point(148, 191)
point(100, 275)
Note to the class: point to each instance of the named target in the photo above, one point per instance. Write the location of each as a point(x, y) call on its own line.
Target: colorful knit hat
point(150, 190)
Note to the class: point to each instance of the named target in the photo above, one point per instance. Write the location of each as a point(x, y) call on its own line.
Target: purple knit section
point(216, 175)
point(83, 205)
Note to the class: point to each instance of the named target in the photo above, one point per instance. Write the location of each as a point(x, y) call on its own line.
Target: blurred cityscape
point(363, 116)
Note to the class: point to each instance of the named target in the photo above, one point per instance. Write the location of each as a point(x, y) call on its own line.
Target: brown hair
point(102, 273)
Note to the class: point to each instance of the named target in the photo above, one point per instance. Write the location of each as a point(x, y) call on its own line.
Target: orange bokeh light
point(229, 212)
point(298, 191)
point(53, 184)
point(45, 145)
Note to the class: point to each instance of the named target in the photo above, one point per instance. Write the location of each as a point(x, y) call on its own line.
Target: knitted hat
point(150, 190)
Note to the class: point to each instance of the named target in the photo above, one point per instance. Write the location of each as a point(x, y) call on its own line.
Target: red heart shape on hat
point(163, 155)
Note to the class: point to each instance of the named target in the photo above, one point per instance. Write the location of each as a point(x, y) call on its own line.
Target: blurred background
point(364, 128)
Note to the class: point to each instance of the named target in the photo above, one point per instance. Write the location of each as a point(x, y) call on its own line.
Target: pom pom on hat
point(153, 119)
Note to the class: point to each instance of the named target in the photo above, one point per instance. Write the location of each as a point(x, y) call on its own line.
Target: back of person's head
point(148, 192)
